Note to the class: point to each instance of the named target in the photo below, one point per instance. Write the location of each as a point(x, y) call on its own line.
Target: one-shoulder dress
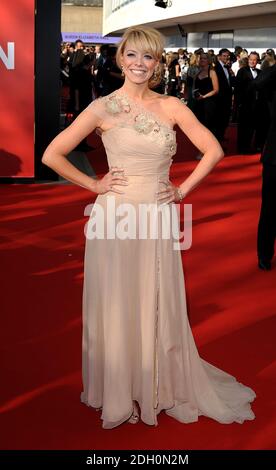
point(137, 341)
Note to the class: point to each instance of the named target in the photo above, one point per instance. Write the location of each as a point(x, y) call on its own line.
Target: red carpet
point(231, 308)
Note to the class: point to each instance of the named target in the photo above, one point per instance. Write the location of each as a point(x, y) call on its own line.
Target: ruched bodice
point(145, 170)
point(125, 148)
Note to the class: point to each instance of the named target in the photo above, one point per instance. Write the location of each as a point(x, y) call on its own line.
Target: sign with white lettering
point(91, 38)
point(17, 89)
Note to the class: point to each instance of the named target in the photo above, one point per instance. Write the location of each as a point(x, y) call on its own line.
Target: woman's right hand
point(113, 178)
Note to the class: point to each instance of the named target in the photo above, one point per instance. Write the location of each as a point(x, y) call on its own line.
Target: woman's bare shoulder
point(171, 102)
point(166, 100)
point(174, 108)
point(160, 96)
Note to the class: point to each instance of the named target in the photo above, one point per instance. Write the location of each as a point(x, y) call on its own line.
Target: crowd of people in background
point(218, 88)
point(231, 87)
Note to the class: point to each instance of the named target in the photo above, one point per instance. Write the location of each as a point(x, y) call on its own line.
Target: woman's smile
point(138, 71)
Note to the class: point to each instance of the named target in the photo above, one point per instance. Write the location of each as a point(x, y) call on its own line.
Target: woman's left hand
point(170, 194)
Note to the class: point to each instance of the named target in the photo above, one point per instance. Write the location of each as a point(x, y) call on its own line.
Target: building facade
point(77, 18)
point(201, 23)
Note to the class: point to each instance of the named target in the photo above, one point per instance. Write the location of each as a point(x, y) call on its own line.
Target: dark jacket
point(225, 88)
point(245, 94)
point(267, 80)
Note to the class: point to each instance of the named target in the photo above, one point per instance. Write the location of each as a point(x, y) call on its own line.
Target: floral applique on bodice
point(128, 113)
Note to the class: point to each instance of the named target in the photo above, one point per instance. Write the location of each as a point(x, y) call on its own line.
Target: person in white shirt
point(237, 65)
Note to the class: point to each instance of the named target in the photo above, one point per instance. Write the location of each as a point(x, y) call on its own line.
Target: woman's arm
point(201, 137)
point(55, 154)
point(215, 84)
point(177, 70)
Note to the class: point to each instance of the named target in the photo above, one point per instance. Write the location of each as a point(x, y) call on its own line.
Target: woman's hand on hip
point(170, 193)
point(111, 180)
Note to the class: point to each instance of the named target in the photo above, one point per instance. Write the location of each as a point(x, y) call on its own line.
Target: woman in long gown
point(139, 355)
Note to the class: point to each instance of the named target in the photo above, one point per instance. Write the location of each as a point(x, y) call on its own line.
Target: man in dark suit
point(226, 79)
point(267, 223)
point(75, 74)
point(247, 105)
point(99, 69)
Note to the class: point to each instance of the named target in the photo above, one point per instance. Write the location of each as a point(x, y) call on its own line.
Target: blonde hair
point(243, 62)
point(194, 59)
point(243, 54)
point(172, 56)
point(145, 39)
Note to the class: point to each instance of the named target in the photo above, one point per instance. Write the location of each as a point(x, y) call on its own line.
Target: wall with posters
point(17, 88)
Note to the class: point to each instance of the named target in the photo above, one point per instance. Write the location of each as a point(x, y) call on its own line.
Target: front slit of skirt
point(156, 401)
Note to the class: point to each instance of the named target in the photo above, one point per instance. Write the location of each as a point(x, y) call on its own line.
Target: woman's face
point(138, 65)
point(203, 62)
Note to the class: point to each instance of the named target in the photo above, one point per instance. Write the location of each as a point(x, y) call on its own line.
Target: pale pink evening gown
point(137, 341)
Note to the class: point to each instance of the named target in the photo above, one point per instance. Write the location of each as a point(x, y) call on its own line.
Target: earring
point(123, 73)
point(154, 76)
